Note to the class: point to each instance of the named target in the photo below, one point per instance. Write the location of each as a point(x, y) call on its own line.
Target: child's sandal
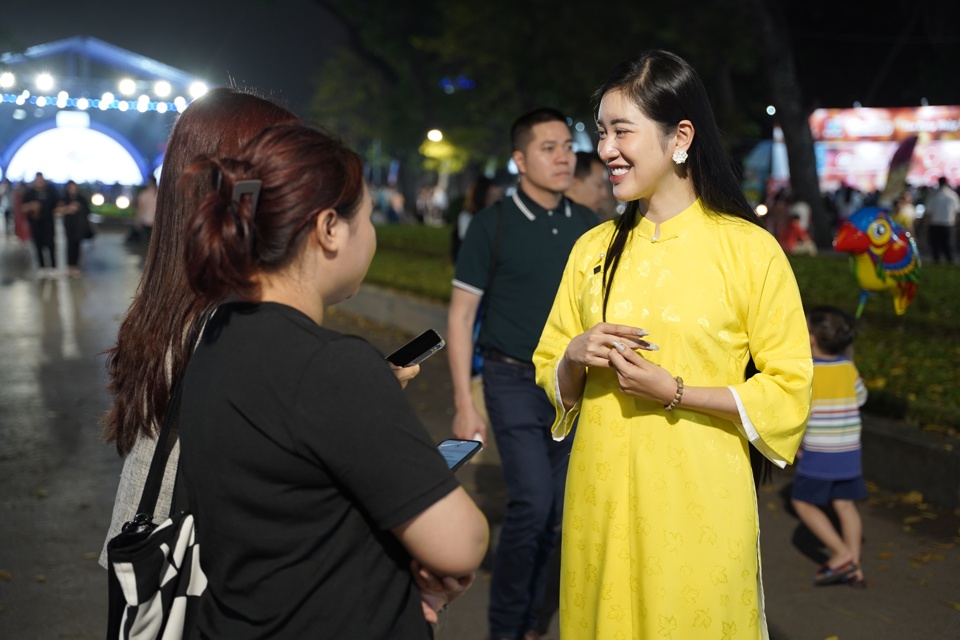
point(832, 575)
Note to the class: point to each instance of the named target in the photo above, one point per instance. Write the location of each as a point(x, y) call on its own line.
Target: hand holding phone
point(457, 452)
point(417, 350)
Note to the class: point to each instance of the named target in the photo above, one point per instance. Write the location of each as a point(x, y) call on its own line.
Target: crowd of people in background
point(30, 212)
point(928, 212)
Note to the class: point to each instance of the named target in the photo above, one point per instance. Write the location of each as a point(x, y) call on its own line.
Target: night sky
point(272, 46)
point(276, 46)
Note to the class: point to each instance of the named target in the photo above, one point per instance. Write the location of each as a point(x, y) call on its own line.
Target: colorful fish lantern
point(884, 256)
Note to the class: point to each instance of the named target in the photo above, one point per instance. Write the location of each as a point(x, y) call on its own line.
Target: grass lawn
point(909, 362)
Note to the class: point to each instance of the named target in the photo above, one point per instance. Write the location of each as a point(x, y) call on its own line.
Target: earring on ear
point(679, 156)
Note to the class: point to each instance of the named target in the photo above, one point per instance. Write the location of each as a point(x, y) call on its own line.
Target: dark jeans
point(535, 472)
point(41, 229)
point(940, 242)
point(72, 228)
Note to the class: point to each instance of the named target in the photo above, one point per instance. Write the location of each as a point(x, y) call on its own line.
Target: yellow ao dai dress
point(660, 528)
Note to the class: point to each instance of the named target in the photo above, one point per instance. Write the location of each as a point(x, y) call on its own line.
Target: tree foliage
point(386, 83)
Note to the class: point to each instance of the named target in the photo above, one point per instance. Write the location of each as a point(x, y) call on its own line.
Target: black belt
point(495, 355)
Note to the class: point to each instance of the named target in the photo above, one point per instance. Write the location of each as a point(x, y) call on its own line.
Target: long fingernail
point(618, 346)
point(652, 347)
point(642, 333)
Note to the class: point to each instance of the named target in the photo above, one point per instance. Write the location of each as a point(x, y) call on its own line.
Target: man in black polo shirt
point(513, 257)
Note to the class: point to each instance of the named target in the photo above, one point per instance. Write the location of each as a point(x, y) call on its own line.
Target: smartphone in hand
point(457, 452)
point(417, 350)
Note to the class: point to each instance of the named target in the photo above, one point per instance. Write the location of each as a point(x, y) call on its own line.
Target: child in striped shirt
point(828, 470)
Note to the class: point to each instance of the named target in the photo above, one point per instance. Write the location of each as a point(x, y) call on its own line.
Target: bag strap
point(169, 433)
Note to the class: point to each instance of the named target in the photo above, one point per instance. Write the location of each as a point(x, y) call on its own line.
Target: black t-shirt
point(300, 452)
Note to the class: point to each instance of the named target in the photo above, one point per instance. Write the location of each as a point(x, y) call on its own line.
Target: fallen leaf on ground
point(885, 555)
point(925, 557)
point(912, 497)
point(40, 577)
point(953, 605)
point(6, 575)
point(39, 492)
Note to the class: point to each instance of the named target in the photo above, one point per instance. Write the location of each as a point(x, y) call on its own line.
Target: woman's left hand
point(641, 378)
point(405, 374)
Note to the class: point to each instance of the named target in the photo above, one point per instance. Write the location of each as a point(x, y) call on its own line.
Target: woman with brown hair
point(313, 483)
point(164, 320)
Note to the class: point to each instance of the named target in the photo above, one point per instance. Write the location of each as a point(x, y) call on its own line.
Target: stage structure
point(86, 110)
point(854, 147)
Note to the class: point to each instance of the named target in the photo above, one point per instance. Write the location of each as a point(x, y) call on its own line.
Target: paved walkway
point(57, 482)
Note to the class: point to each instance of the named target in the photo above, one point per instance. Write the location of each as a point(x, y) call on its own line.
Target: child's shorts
point(822, 492)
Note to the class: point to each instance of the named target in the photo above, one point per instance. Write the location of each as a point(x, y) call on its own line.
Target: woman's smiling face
point(633, 147)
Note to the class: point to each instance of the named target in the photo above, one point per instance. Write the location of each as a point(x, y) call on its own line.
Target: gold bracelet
point(676, 398)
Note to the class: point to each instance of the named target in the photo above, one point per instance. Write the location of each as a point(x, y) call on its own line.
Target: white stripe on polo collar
point(517, 201)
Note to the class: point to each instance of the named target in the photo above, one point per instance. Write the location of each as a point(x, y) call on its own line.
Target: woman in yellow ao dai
point(660, 529)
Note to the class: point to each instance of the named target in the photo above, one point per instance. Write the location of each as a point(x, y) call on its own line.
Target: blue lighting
point(94, 103)
point(461, 82)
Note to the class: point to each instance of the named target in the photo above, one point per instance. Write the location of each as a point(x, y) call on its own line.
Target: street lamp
point(434, 135)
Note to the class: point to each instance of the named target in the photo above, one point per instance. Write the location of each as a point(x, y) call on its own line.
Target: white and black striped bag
point(155, 579)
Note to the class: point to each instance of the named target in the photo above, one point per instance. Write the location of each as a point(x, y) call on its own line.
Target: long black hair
point(667, 90)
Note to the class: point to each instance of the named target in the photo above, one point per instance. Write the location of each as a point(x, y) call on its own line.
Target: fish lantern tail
point(907, 291)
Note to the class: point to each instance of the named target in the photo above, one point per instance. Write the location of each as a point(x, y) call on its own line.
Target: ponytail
point(220, 233)
point(232, 235)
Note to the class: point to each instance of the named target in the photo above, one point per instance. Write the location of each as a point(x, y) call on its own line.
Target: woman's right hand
point(444, 589)
point(592, 348)
point(404, 374)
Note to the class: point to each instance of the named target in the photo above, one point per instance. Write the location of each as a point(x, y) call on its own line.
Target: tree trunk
point(781, 73)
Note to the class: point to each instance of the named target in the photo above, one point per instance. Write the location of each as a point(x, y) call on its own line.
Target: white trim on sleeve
point(750, 433)
point(565, 424)
point(466, 287)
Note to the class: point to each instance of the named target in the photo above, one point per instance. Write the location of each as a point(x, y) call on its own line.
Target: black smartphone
point(417, 350)
point(457, 452)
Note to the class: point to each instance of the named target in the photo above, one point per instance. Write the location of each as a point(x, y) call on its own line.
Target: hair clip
point(247, 187)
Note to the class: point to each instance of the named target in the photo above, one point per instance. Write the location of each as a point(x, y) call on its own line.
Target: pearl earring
point(679, 156)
